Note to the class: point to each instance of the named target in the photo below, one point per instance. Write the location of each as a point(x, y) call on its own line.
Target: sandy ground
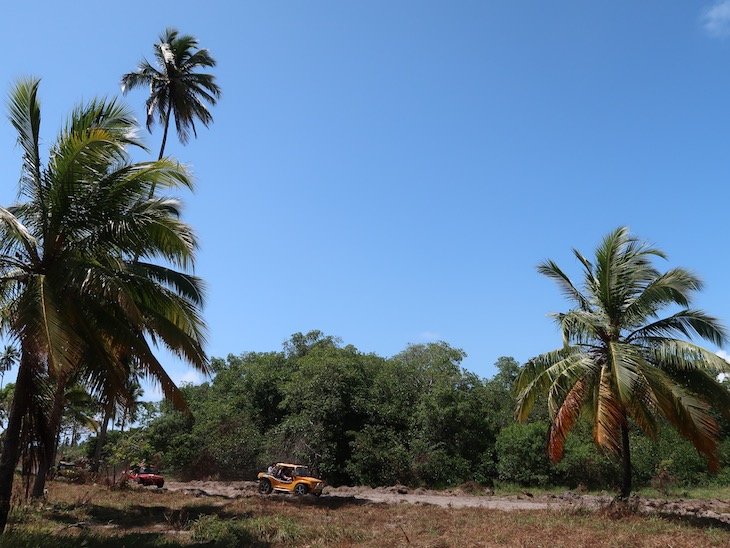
point(711, 511)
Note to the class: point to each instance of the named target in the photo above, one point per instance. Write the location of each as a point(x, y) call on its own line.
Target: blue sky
point(392, 172)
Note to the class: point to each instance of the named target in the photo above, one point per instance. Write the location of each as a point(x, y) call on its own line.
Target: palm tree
point(130, 406)
point(622, 360)
point(8, 359)
point(176, 88)
point(70, 293)
point(78, 413)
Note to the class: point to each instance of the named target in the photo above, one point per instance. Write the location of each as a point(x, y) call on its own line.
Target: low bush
point(521, 455)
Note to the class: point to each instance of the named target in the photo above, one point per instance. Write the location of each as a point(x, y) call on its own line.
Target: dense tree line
point(417, 418)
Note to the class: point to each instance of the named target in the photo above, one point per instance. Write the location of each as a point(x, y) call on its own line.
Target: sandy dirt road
point(711, 511)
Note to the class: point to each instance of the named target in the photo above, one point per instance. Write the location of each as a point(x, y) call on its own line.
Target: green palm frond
point(538, 375)
point(581, 327)
point(684, 355)
point(14, 234)
point(674, 287)
point(642, 409)
point(25, 117)
point(712, 391)
point(687, 323)
point(36, 318)
point(687, 413)
point(189, 287)
point(626, 365)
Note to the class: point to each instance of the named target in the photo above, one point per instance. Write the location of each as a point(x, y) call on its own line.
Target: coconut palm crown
point(93, 267)
point(623, 361)
point(176, 87)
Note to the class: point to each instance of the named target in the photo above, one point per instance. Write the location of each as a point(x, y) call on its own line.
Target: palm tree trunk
point(48, 453)
point(101, 440)
point(626, 459)
point(11, 443)
point(167, 127)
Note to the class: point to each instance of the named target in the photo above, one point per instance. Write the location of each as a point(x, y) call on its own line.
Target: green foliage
point(436, 467)
point(129, 447)
point(521, 456)
point(584, 463)
point(417, 419)
point(259, 531)
point(379, 457)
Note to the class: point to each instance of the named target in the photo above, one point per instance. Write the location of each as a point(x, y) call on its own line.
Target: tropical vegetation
point(623, 362)
point(416, 418)
point(71, 297)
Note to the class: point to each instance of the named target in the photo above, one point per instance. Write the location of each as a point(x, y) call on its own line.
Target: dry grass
point(96, 516)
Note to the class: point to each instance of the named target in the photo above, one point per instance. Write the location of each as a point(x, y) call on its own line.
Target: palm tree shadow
point(144, 516)
point(138, 540)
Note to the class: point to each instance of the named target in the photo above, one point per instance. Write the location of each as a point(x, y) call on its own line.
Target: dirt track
point(712, 511)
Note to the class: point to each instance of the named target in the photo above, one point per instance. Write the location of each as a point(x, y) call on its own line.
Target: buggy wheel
point(264, 486)
point(300, 489)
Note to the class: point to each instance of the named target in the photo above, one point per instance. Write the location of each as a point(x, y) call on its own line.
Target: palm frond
point(25, 117)
point(609, 415)
point(539, 373)
point(687, 413)
point(550, 269)
point(566, 418)
point(683, 355)
point(688, 323)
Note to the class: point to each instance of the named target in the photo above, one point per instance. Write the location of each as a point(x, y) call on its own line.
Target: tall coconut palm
point(176, 87)
point(8, 359)
point(622, 360)
point(71, 294)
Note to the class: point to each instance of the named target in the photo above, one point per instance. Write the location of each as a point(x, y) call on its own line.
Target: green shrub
point(521, 454)
point(436, 468)
point(647, 459)
point(584, 463)
point(378, 458)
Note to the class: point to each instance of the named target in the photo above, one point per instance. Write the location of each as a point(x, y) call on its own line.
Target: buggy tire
point(264, 486)
point(301, 489)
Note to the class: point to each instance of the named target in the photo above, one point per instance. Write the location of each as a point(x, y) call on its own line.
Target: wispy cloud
point(189, 377)
point(716, 19)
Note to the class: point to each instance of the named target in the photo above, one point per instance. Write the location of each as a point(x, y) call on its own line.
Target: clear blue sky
point(392, 172)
